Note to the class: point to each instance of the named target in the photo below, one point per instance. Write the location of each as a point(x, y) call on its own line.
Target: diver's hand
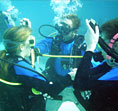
point(73, 73)
point(91, 36)
point(25, 22)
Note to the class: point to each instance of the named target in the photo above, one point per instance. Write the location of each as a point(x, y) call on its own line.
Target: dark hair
point(110, 28)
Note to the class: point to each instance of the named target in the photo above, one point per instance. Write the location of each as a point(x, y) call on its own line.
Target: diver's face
point(27, 47)
point(115, 47)
point(71, 34)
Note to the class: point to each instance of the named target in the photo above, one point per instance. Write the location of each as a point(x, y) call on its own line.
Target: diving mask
point(10, 44)
point(64, 28)
point(32, 41)
point(109, 48)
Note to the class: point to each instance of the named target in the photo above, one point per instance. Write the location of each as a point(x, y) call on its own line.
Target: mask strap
point(7, 41)
point(115, 37)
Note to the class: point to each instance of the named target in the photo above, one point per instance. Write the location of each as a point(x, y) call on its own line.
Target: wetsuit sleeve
point(4, 23)
point(87, 76)
point(31, 79)
point(44, 45)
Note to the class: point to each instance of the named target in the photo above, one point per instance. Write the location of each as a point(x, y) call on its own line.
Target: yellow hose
point(62, 56)
point(9, 83)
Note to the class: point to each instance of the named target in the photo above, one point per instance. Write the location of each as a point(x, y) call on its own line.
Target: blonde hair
point(16, 34)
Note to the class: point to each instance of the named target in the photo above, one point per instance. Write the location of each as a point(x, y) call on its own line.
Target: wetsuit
point(60, 67)
point(21, 98)
point(102, 81)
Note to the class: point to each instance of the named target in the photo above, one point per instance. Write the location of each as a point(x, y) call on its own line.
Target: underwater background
point(41, 12)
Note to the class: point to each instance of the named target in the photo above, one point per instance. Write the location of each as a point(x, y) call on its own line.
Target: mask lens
point(63, 28)
point(32, 41)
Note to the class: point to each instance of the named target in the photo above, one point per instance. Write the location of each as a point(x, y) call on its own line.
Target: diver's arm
point(31, 79)
point(52, 89)
point(87, 77)
point(44, 45)
point(10, 22)
point(4, 23)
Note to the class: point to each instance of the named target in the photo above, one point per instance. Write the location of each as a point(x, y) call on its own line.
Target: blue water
point(40, 12)
point(37, 11)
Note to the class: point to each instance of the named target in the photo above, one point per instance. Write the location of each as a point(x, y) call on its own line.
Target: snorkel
point(112, 41)
point(112, 55)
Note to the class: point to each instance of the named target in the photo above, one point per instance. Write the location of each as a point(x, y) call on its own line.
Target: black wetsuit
point(21, 98)
point(104, 93)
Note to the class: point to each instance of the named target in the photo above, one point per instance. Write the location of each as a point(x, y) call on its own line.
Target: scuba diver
point(7, 19)
point(97, 88)
point(22, 88)
point(66, 42)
